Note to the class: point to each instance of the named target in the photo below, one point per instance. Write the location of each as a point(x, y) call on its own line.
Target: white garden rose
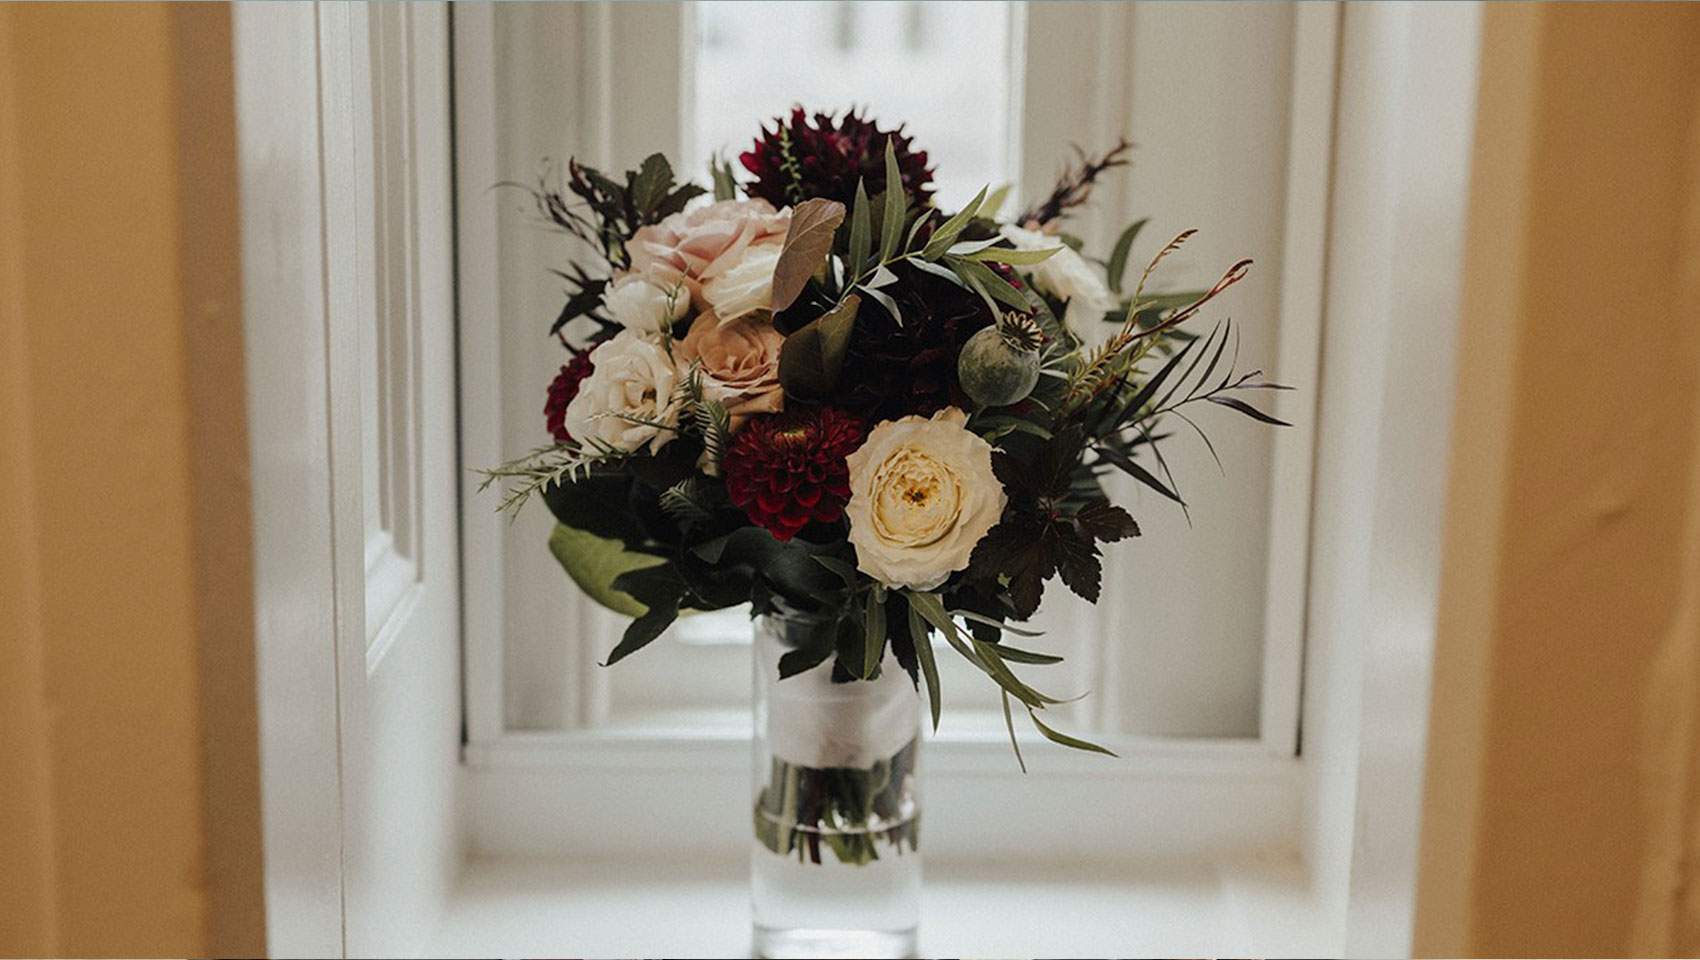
point(1067, 276)
point(746, 286)
point(634, 378)
point(639, 303)
point(922, 494)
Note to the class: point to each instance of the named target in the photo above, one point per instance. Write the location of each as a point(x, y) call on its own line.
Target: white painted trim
point(552, 794)
point(1304, 269)
point(1397, 207)
point(479, 359)
point(280, 101)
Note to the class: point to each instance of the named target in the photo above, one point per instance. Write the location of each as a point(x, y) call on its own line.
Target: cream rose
point(634, 378)
point(746, 286)
point(639, 303)
point(1066, 275)
point(740, 363)
point(922, 494)
point(699, 245)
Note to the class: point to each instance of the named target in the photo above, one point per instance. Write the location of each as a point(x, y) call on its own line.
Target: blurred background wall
point(129, 811)
point(1562, 813)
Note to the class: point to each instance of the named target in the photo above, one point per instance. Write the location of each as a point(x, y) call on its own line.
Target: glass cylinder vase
point(835, 867)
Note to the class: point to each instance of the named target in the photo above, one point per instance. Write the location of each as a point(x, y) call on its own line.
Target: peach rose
point(699, 245)
point(739, 361)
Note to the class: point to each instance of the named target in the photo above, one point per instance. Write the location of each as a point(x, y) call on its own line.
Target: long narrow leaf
point(923, 643)
point(1116, 268)
point(1235, 403)
point(1066, 740)
point(948, 231)
point(1026, 656)
point(1006, 628)
point(1013, 256)
point(1139, 400)
point(860, 238)
point(1128, 466)
point(1009, 723)
point(896, 204)
point(873, 622)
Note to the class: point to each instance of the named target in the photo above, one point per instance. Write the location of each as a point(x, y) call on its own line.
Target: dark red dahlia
point(787, 470)
point(894, 369)
point(824, 156)
point(562, 391)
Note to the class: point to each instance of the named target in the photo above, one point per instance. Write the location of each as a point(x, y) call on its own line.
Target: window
point(1203, 680)
point(940, 67)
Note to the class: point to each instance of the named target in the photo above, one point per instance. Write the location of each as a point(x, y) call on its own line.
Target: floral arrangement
point(813, 391)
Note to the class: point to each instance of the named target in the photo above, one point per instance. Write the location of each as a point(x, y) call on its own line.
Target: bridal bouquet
point(812, 390)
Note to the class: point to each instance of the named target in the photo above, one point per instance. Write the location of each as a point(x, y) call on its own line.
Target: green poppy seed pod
point(995, 369)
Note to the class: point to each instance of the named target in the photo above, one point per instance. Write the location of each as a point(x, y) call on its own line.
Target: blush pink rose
point(700, 244)
point(739, 361)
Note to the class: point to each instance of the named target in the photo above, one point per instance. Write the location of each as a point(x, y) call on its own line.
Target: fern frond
point(546, 467)
point(683, 503)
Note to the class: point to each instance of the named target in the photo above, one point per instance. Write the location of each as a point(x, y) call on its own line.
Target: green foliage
point(594, 563)
point(808, 242)
point(811, 358)
point(720, 173)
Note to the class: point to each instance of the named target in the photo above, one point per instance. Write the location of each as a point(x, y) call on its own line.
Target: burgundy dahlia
point(824, 156)
point(895, 369)
point(787, 470)
point(562, 391)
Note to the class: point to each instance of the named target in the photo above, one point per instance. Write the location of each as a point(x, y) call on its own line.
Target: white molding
point(557, 794)
point(479, 359)
point(281, 104)
point(1316, 44)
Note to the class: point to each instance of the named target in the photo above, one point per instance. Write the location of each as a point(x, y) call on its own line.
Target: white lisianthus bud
point(630, 399)
point(639, 303)
point(922, 495)
point(1067, 276)
point(745, 287)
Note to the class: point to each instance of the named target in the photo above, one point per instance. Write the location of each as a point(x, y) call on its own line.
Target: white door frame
point(343, 138)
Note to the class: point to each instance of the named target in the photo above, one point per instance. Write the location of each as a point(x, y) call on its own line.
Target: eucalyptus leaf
point(811, 358)
point(861, 239)
point(995, 201)
point(808, 242)
point(896, 204)
point(948, 231)
point(884, 300)
point(1012, 256)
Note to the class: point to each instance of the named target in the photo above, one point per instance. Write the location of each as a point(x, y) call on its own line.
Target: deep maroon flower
point(562, 391)
point(895, 369)
point(824, 156)
point(787, 470)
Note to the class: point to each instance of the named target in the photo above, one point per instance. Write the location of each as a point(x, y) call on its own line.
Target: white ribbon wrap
point(813, 722)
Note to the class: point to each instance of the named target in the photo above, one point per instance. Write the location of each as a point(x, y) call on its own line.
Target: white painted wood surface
point(344, 127)
point(968, 909)
point(1406, 113)
point(284, 277)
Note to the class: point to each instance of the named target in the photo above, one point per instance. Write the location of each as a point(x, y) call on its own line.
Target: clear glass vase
point(835, 866)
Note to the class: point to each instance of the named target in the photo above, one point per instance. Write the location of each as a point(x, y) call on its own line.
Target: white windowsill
point(512, 907)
